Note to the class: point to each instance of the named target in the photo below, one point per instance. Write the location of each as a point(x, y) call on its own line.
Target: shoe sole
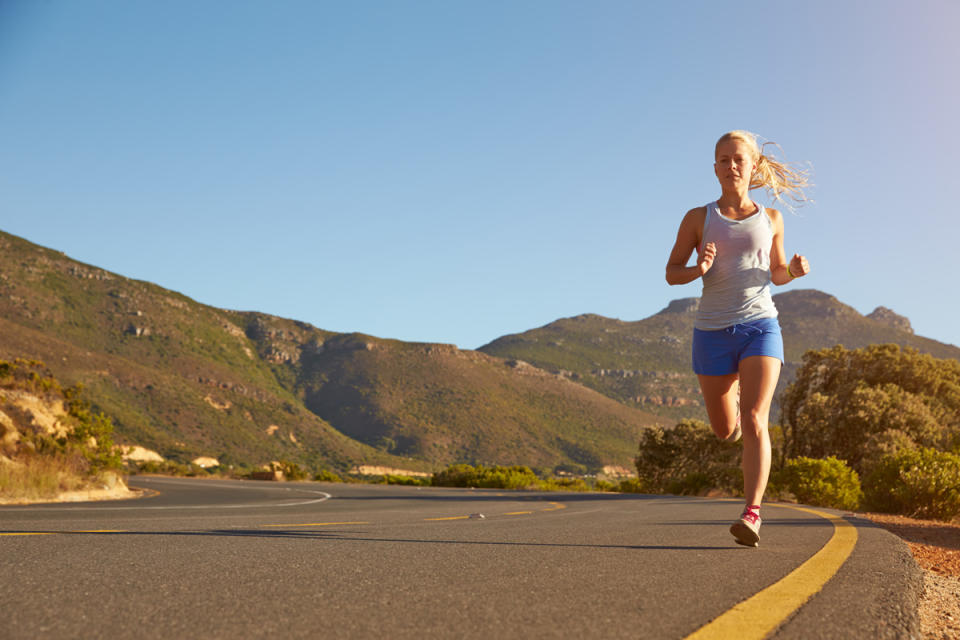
point(744, 535)
point(733, 437)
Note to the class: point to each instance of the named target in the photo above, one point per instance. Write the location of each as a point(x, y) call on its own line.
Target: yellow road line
point(311, 524)
point(449, 518)
point(30, 533)
point(760, 614)
point(518, 513)
point(55, 533)
point(556, 506)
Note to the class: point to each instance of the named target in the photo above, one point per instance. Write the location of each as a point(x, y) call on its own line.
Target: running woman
point(737, 346)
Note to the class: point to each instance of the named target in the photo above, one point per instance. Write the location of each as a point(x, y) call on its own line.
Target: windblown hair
point(778, 177)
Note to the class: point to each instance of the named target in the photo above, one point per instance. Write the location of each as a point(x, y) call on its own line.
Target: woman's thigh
point(758, 381)
point(720, 401)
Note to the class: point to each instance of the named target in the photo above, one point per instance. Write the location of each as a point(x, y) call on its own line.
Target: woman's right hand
point(706, 258)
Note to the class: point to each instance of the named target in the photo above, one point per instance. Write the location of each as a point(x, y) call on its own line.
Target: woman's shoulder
point(776, 218)
point(697, 214)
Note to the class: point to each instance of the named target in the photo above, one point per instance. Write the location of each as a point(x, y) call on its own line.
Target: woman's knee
point(755, 422)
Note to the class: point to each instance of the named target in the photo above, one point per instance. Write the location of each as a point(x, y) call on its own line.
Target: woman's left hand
point(799, 266)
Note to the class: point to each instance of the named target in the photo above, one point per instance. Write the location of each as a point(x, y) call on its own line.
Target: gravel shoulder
point(936, 548)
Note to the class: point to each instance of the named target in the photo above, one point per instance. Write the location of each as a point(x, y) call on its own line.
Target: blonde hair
point(778, 177)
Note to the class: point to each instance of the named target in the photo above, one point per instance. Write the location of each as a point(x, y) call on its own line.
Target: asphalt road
point(244, 559)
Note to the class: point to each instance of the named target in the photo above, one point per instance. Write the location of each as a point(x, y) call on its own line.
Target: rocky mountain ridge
point(646, 363)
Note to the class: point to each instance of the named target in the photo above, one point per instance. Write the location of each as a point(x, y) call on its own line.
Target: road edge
point(876, 592)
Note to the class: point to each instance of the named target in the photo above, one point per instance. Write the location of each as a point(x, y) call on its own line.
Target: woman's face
point(734, 163)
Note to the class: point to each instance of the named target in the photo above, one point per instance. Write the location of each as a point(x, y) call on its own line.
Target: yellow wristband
point(789, 273)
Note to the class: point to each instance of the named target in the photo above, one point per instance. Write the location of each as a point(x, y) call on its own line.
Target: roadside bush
point(603, 485)
point(922, 483)
point(692, 484)
point(632, 485)
point(410, 481)
point(687, 459)
point(564, 484)
point(39, 462)
point(855, 403)
point(165, 467)
point(93, 435)
point(325, 475)
point(823, 482)
point(292, 470)
point(495, 477)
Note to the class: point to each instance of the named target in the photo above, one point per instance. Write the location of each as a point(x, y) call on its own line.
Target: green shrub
point(164, 467)
point(823, 482)
point(688, 459)
point(185, 469)
point(564, 484)
point(693, 484)
point(325, 475)
point(632, 485)
point(853, 404)
point(923, 483)
point(495, 477)
point(293, 471)
point(603, 485)
point(410, 481)
point(93, 435)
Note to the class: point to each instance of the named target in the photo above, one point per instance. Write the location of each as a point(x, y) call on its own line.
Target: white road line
point(52, 506)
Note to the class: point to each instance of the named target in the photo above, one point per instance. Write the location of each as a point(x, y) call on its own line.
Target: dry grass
point(38, 478)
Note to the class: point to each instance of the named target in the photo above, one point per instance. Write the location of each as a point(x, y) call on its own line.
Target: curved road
point(229, 559)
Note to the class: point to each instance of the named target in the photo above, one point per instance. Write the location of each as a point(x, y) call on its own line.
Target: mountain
point(174, 375)
point(439, 403)
point(187, 379)
point(646, 363)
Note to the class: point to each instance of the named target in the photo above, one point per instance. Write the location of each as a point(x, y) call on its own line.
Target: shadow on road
point(351, 536)
point(813, 522)
point(514, 497)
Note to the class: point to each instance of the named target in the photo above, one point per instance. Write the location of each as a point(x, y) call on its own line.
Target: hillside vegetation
point(876, 427)
point(442, 404)
point(50, 440)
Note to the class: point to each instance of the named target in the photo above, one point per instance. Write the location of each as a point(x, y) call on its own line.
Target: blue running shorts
point(719, 352)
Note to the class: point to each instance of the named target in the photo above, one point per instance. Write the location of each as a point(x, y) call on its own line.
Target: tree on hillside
point(861, 404)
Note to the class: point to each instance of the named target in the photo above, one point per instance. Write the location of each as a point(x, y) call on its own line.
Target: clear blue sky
point(454, 171)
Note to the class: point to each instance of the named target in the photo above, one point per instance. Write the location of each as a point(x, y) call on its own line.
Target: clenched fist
point(799, 266)
point(706, 258)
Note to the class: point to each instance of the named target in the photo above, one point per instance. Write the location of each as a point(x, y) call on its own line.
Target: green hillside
point(442, 404)
point(187, 379)
point(174, 375)
point(646, 363)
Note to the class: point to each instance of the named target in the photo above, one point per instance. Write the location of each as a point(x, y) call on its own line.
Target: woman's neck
point(739, 203)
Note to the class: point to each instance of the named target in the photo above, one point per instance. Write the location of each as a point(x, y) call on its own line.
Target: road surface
point(229, 559)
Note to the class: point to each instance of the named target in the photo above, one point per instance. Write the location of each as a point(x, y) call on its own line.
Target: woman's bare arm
point(688, 239)
point(782, 272)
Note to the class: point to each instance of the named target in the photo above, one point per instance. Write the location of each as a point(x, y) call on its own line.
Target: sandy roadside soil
point(85, 495)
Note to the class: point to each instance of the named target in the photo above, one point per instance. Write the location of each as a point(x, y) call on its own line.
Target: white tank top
point(736, 289)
